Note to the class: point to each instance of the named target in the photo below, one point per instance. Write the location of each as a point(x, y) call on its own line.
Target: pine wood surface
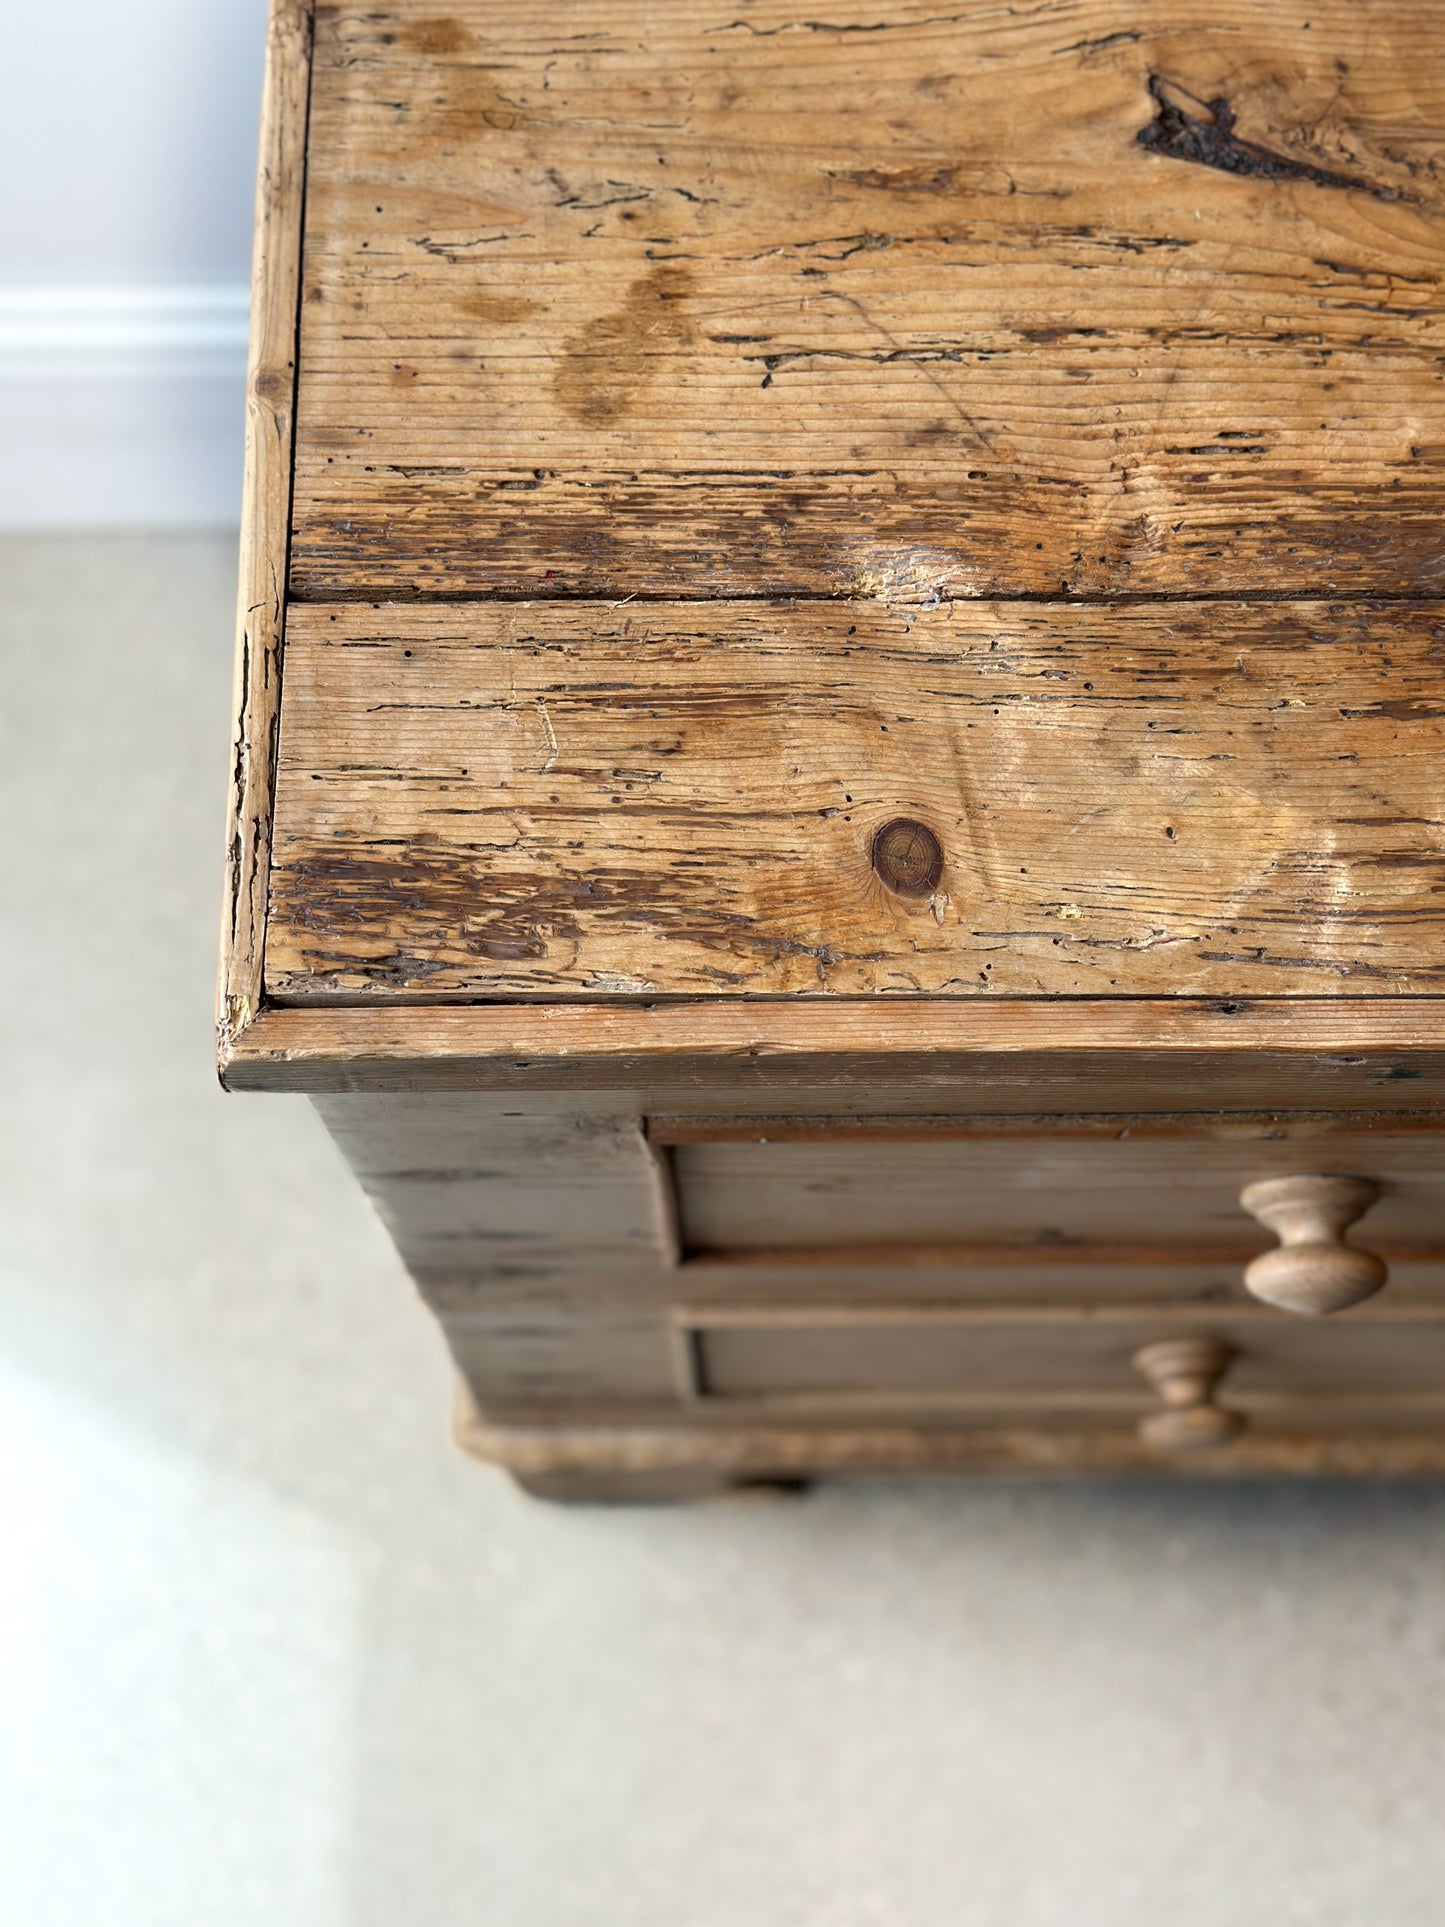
point(751, 1362)
point(537, 1229)
point(1288, 1133)
point(613, 298)
point(265, 510)
point(620, 1462)
point(1016, 1056)
point(1060, 1366)
point(1180, 1192)
point(1154, 800)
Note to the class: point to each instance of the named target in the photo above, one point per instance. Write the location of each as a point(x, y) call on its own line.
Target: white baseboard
point(121, 407)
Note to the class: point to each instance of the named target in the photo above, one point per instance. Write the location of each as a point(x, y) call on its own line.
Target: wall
point(127, 138)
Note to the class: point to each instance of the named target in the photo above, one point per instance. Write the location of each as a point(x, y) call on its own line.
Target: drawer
point(995, 1365)
point(1135, 1190)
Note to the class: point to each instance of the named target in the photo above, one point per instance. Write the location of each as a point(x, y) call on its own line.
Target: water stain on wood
point(496, 307)
point(435, 37)
point(902, 180)
point(1004, 256)
point(470, 92)
point(607, 364)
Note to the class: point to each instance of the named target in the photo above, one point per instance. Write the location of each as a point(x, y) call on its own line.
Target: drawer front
point(839, 1360)
point(1041, 1195)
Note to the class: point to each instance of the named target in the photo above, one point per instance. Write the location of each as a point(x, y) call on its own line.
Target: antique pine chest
point(839, 792)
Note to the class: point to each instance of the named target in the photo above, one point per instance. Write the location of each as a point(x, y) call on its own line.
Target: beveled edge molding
point(1375, 1054)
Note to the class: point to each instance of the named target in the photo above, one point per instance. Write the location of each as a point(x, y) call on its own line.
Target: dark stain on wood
point(1400, 709)
point(462, 531)
point(900, 180)
point(1207, 137)
point(469, 89)
point(435, 37)
point(482, 306)
point(607, 364)
point(480, 909)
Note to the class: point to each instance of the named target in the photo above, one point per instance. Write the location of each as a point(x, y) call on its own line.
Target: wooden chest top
point(609, 298)
point(942, 504)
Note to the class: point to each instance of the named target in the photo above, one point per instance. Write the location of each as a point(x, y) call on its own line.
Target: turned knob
point(1185, 1372)
point(1313, 1270)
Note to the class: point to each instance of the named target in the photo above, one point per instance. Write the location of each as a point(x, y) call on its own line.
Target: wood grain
point(979, 1056)
point(1302, 1129)
point(551, 800)
point(625, 1457)
point(1080, 297)
point(265, 510)
point(470, 1286)
point(734, 1363)
point(1056, 1368)
point(509, 1191)
point(1067, 1193)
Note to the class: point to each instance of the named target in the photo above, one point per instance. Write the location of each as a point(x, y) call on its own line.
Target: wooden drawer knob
point(1185, 1372)
point(1313, 1270)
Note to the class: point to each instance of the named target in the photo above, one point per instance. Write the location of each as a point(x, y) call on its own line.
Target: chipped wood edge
point(750, 1042)
point(265, 512)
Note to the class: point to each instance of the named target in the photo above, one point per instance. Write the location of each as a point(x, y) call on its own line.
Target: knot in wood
point(908, 857)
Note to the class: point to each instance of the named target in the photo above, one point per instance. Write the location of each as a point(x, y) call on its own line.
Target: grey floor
point(271, 1655)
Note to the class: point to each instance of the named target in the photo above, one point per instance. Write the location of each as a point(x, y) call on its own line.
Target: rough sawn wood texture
point(1096, 297)
point(546, 799)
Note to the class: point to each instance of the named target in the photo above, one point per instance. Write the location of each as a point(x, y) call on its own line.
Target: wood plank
point(640, 1452)
point(982, 1056)
point(506, 1192)
point(265, 509)
point(537, 1214)
point(1060, 1315)
point(1236, 1127)
point(1015, 1259)
point(939, 1359)
point(556, 800)
point(535, 1364)
point(615, 298)
point(1174, 1293)
point(1145, 1196)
